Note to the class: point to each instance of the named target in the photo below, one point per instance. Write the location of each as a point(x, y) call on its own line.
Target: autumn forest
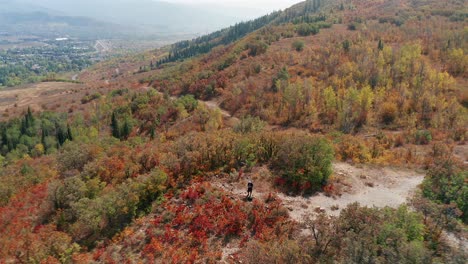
point(349, 116)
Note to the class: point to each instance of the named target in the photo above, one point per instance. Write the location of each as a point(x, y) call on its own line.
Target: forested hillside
point(152, 165)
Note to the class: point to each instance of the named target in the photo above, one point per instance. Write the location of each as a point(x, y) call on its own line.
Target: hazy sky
point(267, 5)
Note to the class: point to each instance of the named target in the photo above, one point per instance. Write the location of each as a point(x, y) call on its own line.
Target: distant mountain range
point(138, 17)
point(46, 25)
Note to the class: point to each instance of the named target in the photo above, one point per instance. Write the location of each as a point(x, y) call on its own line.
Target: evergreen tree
point(380, 46)
point(152, 132)
point(69, 133)
point(115, 126)
point(29, 115)
point(346, 45)
point(44, 134)
point(61, 135)
point(24, 125)
point(126, 130)
point(4, 136)
point(27, 124)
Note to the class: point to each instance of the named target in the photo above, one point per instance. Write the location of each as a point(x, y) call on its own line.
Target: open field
point(40, 97)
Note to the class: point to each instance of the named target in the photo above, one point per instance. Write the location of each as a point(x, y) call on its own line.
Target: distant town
point(28, 59)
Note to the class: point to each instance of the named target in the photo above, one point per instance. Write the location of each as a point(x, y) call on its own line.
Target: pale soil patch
point(457, 241)
point(214, 105)
point(379, 187)
point(228, 252)
point(461, 152)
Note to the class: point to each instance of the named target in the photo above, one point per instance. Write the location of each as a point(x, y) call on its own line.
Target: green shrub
point(257, 68)
point(346, 45)
point(298, 45)
point(118, 92)
point(249, 124)
point(422, 137)
point(352, 26)
point(288, 34)
point(257, 48)
point(304, 162)
point(227, 62)
point(189, 102)
point(307, 29)
point(89, 98)
point(447, 184)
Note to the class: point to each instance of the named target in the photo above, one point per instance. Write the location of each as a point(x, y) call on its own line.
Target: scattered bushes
point(249, 124)
point(118, 92)
point(197, 225)
point(89, 98)
point(392, 20)
point(229, 61)
point(358, 234)
point(91, 217)
point(457, 62)
point(304, 162)
point(307, 29)
point(74, 156)
point(447, 184)
point(257, 48)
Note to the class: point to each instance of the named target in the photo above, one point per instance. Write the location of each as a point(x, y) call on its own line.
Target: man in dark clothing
point(249, 189)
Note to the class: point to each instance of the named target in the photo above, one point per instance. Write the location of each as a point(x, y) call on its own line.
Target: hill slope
point(332, 52)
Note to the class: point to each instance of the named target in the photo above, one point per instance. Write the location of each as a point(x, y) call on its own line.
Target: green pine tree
point(126, 130)
point(69, 133)
point(380, 46)
point(115, 126)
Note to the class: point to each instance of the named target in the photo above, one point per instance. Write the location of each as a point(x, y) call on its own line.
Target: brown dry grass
point(56, 96)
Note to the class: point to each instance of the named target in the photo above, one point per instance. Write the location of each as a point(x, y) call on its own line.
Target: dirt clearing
point(369, 186)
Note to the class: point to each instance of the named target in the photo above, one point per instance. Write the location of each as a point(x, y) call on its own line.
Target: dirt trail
point(229, 119)
point(212, 105)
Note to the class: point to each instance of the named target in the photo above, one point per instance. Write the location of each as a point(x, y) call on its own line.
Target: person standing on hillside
point(249, 189)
